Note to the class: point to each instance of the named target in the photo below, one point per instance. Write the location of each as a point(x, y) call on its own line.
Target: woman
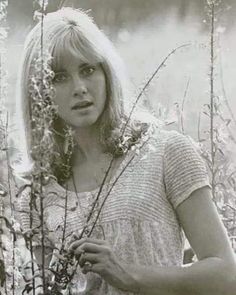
point(154, 183)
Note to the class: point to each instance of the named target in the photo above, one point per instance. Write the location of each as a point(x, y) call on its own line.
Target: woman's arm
point(213, 274)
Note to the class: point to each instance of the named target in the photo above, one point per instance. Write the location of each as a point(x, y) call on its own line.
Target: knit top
point(139, 218)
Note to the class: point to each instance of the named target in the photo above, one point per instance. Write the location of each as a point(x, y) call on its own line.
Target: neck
point(89, 144)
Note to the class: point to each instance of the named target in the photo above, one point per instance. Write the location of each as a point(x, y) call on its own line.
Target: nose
point(79, 87)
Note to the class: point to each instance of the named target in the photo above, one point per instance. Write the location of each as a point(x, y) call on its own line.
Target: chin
point(84, 123)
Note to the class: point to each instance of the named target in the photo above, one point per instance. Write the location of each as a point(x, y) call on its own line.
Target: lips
point(82, 105)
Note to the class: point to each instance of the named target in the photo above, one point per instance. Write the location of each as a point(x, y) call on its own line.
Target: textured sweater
point(139, 218)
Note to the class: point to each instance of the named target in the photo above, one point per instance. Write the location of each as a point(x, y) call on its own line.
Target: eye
point(87, 70)
point(60, 77)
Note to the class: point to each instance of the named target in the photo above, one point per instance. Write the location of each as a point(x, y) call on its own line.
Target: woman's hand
point(97, 256)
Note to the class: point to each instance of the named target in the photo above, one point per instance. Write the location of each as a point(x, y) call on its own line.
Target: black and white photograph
point(117, 147)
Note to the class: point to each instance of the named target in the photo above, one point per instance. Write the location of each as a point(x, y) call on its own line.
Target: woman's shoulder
point(172, 138)
point(166, 137)
point(171, 144)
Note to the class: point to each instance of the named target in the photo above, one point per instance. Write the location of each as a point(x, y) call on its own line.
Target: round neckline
point(122, 164)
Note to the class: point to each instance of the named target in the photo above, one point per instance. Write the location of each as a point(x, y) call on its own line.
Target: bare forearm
point(211, 276)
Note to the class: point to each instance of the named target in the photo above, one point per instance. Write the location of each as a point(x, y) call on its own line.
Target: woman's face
point(80, 91)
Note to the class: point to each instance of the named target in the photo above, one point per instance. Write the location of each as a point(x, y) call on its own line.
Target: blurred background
point(144, 32)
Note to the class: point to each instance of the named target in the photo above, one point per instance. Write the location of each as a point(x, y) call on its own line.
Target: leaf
point(205, 113)
point(27, 289)
point(220, 150)
point(9, 226)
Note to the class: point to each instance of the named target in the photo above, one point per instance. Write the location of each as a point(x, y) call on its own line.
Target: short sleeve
point(184, 169)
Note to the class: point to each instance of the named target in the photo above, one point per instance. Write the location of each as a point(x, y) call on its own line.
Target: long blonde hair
point(73, 31)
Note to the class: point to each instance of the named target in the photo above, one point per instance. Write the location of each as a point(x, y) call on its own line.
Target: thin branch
point(41, 176)
point(61, 4)
point(97, 197)
point(212, 95)
point(199, 127)
point(2, 261)
point(8, 164)
point(224, 92)
point(31, 242)
point(11, 203)
point(162, 64)
point(182, 106)
point(98, 194)
point(109, 191)
point(65, 220)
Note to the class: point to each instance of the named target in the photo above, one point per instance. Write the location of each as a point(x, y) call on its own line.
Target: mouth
point(82, 105)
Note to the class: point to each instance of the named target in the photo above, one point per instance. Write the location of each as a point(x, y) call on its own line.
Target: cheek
point(102, 98)
point(60, 96)
point(103, 88)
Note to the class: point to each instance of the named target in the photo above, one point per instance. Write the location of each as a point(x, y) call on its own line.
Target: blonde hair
point(73, 31)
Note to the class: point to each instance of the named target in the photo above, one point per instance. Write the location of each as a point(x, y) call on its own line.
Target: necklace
point(90, 216)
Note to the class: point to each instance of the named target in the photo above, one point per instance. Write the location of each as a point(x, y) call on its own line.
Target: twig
point(41, 198)
point(224, 92)
point(41, 176)
point(198, 127)
point(149, 81)
point(109, 191)
point(182, 106)
point(98, 194)
point(2, 262)
point(3, 276)
point(61, 4)
point(11, 203)
point(31, 242)
point(212, 95)
point(65, 220)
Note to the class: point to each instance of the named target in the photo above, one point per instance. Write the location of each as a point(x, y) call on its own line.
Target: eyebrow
point(85, 64)
point(81, 66)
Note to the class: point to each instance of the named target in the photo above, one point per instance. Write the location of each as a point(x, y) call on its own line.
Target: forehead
point(68, 51)
point(67, 60)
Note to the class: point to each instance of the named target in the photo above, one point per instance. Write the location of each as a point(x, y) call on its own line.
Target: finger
point(88, 267)
point(74, 245)
point(86, 247)
point(88, 257)
point(74, 237)
point(78, 243)
point(91, 248)
point(95, 268)
point(94, 241)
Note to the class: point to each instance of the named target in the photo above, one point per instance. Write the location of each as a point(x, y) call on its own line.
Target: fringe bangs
point(68, 45)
